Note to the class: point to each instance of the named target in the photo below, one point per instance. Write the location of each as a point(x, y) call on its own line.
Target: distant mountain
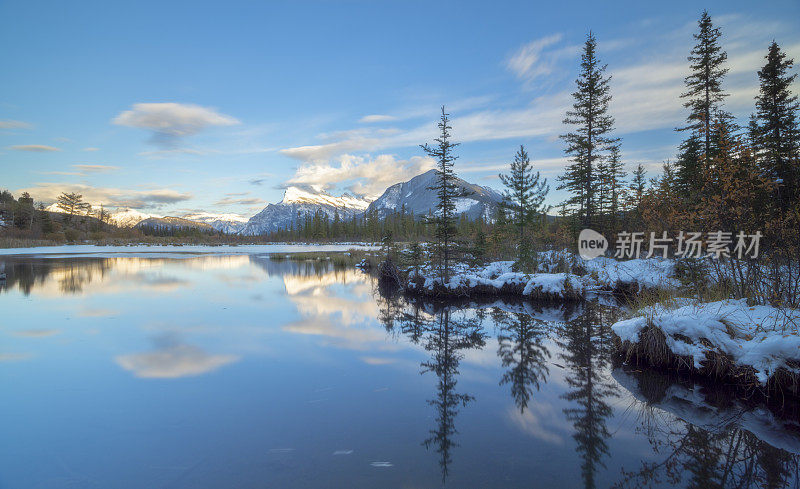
point(127, 218)
point(416, 196)
point(122, 217)
point(297, 201)
point(226, 223)
point(164, 223)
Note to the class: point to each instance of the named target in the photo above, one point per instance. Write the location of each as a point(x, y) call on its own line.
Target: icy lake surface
point(227, 369)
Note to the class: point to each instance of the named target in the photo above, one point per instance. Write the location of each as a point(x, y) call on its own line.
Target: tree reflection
point(716, 452)
point(445, 331)
point(586, 341)
point(445, 339)
point(71, 275)
point(522, 353)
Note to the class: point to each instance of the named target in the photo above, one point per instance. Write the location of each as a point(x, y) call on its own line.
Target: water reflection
point(522, 353)
point(172, 358)
point(510, 394)
point(586, 344)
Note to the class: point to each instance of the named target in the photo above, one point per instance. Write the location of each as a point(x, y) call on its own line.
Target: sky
point(178, 107)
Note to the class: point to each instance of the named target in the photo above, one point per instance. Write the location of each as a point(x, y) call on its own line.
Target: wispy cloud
point(232, 201)
point(110, 197)
point(11, 124)
point(91, 149)
point(36, 148)
point(531, 60)
point(90, 168)
point(373, 118)
point(169, 122)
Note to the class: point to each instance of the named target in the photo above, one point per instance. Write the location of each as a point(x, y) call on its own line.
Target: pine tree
point(524, 196)
point(447, 191)
point(614, 175)
point(592, 134)
point(637, 189)
point(704, 96)
point(775, 126)
point(72, 203)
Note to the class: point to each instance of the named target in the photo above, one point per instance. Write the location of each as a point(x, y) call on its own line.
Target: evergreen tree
point(524, 196)
point(444, 219)
point(592, 133)
point(612, 174)
point(72, 203)
point(637, 188)
point(703, 96)
point(775, 126)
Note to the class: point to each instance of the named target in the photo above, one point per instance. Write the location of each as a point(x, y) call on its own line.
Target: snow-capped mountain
point(297, 201)
point(127, 218)
point(416, 196)
point(122, 217)
point(227, 223)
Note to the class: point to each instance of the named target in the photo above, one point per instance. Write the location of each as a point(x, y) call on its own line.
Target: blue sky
point(172, 107)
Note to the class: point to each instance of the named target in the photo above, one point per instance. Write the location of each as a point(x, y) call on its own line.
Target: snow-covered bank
point(560, 275)
point(725, 339)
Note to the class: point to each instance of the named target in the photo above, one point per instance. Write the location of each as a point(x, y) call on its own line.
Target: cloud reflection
point(172, 359)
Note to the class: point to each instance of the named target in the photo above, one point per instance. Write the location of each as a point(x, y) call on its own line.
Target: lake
point(164, 369)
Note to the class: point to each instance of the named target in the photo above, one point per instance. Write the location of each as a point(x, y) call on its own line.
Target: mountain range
point(413, 196)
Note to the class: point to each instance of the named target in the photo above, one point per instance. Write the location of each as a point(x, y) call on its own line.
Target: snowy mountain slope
point(122, 217)
point(416, 196)
point(297, 201)
point(226, 223)
point(173, 222)
point(127, 218)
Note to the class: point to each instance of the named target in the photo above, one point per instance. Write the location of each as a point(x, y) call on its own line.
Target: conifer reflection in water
point(706, 438)
point(444, 332)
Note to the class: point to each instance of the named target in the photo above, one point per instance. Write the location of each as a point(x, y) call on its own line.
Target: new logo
point(591, 244)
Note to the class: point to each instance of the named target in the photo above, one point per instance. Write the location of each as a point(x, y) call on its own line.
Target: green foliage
point(591, 135)
point(444, 219)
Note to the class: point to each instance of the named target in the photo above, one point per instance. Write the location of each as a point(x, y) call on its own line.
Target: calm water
point(194, 371)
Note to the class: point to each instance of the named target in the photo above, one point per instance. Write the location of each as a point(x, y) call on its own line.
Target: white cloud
point(48, 192)
point(373, 118)
point(530, 61)
point(362, 175)
point(169, 122)
point(91, 149)
point(36, 148)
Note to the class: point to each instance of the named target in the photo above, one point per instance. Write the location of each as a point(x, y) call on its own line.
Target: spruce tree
point(704, 96)
point(775, 128)
point(591, 136)
point(444, 219)
point(614, 176)
point(637, 189)
point(524, 196)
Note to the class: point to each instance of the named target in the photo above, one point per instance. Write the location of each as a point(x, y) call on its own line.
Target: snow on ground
point(763, 337)
point(557, 275)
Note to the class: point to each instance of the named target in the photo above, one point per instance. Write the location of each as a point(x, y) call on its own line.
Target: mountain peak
point(298, 195)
